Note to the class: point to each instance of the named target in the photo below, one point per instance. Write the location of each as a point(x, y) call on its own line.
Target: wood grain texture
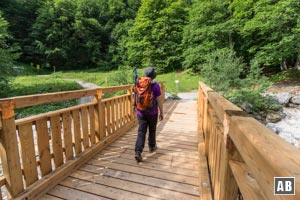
point(28, 153)
point(56, 140)
point(43, 146)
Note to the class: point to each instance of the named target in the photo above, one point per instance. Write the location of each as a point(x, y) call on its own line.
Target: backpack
point(144, 99)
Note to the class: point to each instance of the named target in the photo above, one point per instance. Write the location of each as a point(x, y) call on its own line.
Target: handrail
point(243, 155)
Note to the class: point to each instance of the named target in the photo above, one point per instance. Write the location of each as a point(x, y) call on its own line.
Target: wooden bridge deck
point(170, 173)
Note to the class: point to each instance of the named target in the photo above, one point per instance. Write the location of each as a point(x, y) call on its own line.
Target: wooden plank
point(135, 188)
point(113, 115)
point(149, 172)
point(50, 114)
point(49, 197)
point(36, 190)
point(97, 123)
point(274, 157)
point(2, 181)
point(247, 184)
point(118, 113)
point(149, 158)
point(165, 146)
point(71, 194)
point(108, 117)
point(147, 165)
point(92, 124)
point(9, 151)
point(204, 179)
point(56, 140)
point(105, 191)
point(190, 156)
point(28, 153)
point(84, 127)
point(43, 146)
point(122, 110)
point(76, 129)
point(68, 144)
point(37, 99)
point(102, 120)
point(145, 180)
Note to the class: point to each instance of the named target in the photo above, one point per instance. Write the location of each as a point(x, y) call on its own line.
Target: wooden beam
point(266, 154)
point(204, 181)
point(9, 151)
point(247, 184)
point(38, 99)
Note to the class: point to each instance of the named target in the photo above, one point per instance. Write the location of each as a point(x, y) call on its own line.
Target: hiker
point(148, 101)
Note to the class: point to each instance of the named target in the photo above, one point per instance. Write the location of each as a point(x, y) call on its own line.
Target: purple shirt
point(156, 93)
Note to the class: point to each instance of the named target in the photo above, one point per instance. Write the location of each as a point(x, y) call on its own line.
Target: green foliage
point(34, 110)
point(288, 75)
point(7, 57)
point(270, 30)
point(250, 95)
point(251, 100)
point(222, 70)
point(187, 80)
point(81, 29)
point(154, 39)
point(26, 85)
point(209, 28)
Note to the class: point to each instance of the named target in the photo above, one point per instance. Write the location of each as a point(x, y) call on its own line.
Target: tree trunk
point(283, 65)
point(297, 64)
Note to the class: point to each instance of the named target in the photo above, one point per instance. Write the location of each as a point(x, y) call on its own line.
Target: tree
point(209, 28)
point(156, 34)
point(270, 30)
point(7, 56)
point(21, 15)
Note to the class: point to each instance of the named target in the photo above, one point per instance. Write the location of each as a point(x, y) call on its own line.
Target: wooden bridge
point(209, 150)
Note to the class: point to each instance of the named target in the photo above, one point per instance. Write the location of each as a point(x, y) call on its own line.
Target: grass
point(187, 80)
point(26, 85)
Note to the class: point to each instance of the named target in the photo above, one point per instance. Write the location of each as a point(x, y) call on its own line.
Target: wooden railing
point(242, 154)
point(39, 151)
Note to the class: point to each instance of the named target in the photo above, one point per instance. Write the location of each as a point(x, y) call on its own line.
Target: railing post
point(229, 188)
point(163, 92)
point(100, 116)
point(130, 109)
point(9, 150)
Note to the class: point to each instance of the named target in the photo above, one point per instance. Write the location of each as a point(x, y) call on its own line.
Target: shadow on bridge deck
point(170, 173)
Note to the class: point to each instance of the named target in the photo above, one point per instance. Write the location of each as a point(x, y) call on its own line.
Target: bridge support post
point(9, 151)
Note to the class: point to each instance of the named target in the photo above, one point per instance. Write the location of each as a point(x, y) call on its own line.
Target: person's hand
point(161, 117)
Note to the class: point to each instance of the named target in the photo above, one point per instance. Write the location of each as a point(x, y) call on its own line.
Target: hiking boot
point(152, 149)
point(138, 157)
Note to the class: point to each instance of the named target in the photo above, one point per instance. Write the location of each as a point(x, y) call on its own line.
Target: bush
point(222, 70)
point(249, 95)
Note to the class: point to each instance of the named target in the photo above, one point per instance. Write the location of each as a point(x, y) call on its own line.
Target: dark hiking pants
point(146, 121)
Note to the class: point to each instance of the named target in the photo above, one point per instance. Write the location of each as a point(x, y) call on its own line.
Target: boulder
point(283, 97)
point(274, 117)
point(295, 100)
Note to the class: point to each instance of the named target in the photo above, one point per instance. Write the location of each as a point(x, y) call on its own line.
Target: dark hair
point(150, 72)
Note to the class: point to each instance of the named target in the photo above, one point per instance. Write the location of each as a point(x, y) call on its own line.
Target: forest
point(168, 34)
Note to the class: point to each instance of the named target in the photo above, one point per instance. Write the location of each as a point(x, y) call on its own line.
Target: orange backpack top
point(144, 98)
